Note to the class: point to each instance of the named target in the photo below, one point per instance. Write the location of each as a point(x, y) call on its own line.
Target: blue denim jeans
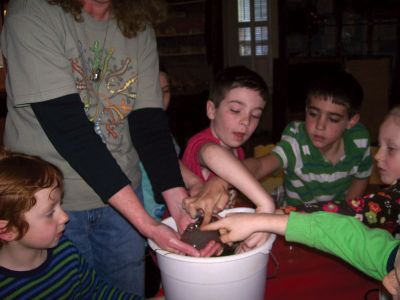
point(111, 245)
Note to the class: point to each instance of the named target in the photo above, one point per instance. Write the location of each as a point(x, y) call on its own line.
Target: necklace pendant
point(95, 74)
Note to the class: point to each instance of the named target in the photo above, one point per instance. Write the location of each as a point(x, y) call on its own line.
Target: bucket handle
point(276, 263)
point(271, 240)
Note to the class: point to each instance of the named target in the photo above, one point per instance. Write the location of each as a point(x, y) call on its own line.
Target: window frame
point(252, 25)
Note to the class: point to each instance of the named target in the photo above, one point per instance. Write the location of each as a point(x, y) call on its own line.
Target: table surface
point(306, 273)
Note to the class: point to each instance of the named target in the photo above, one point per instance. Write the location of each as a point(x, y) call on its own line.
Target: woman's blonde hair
point(132, 15)
point(21, 177)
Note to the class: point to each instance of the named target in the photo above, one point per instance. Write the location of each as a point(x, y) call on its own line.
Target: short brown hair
point(235, 77)
point(21, 176)
point(341, 86)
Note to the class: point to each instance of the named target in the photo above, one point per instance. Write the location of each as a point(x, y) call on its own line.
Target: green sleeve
point(346, 237)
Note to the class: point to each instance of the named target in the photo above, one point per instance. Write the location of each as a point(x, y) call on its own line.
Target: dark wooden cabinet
point(190, 48)
point(182, 46)
point(360, 36)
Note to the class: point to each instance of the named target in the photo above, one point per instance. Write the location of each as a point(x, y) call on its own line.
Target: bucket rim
point(263, 249)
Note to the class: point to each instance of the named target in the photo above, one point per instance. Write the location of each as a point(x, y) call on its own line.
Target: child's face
point(165, 89)
point(46, 220)
point(326, 122)
point(237, 116)
point(388, 155)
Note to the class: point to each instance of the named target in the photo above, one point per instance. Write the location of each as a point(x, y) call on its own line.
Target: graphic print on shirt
point(109, 100)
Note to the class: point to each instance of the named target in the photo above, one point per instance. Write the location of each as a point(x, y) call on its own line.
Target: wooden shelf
point(177, 3)
point(182, 48)
point(194, 53)
point(180, 34)
point(190, 48)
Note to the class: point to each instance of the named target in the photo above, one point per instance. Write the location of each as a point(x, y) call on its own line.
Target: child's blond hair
point(394, 112)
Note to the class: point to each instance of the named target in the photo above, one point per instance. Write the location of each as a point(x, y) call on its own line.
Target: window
point(253, 27)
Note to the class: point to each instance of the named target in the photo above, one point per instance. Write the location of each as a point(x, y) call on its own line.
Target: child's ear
point(5, 233)
point(210, 109)
point(353, 121)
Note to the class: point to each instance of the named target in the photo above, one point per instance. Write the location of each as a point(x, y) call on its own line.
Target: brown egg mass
point(197, 238)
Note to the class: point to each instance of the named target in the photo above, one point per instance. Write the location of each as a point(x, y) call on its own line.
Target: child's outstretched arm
point(224, 164)
point(239, 226)
point(262, 166)
point(357, 188)
point(214, 196)
point(193, 183)
point(370, 250)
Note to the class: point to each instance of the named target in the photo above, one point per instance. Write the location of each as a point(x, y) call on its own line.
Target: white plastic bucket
point(232, 277)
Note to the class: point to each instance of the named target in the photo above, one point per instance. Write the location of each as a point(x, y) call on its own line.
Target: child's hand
point(234, 227)
point(239, 226)
point(211, 200)
point(253, 241)
point(195, 188)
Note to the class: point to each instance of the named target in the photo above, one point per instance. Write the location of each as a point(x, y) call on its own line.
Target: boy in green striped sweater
point(327, 156)
point(36, 260)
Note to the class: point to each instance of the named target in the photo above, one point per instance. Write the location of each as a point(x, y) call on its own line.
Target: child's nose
point(378, 154)
point(321, 123)
point(245, 120)
point(64, 217)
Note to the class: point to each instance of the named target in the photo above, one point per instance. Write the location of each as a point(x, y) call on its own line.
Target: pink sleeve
point(241, 154)
point(191, 155)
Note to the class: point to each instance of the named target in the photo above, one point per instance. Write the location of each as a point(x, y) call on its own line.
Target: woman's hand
point(213, 248)
point(168, 239)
